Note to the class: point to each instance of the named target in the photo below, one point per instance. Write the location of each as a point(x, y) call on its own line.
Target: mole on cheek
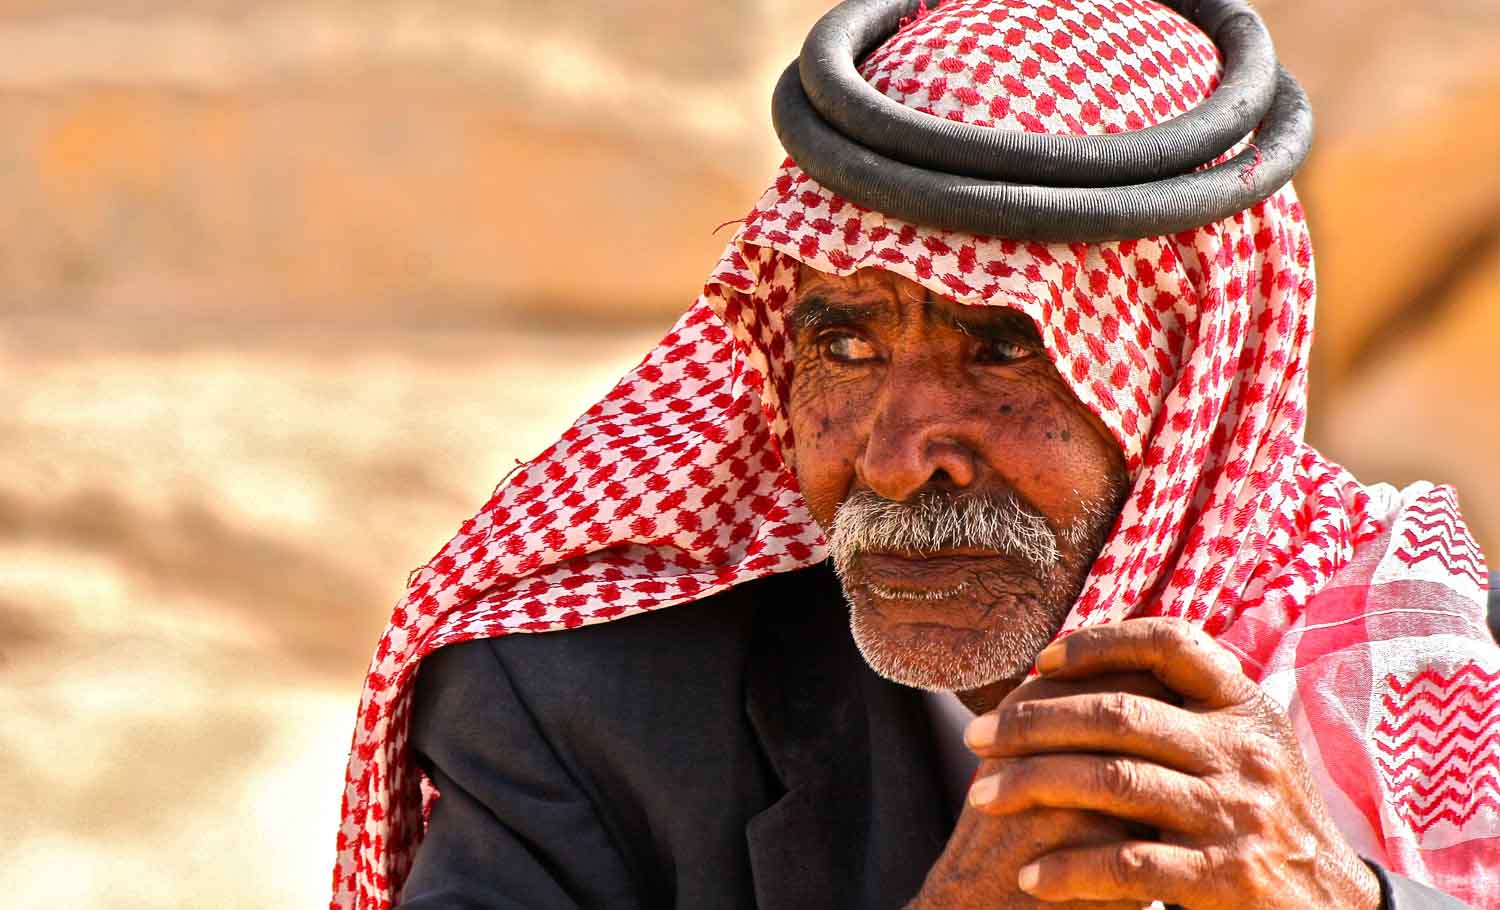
point(1005, 409)
point(1066, 436)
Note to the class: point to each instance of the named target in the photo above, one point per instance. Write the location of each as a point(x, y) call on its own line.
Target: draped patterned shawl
point(1358, 609)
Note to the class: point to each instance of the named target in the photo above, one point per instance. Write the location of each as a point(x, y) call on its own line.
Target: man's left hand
point(1221, 778)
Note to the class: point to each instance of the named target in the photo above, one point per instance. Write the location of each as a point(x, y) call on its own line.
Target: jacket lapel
point(862, 817)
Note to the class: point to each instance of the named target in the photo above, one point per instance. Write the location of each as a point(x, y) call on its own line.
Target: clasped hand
point(1142, 765)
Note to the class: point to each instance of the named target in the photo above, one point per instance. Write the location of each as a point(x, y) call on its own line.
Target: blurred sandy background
point(285, 287)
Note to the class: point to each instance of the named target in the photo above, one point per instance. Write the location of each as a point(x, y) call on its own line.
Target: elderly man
point(999, 574)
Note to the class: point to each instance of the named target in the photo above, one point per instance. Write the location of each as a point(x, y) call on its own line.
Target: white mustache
point(936, 521)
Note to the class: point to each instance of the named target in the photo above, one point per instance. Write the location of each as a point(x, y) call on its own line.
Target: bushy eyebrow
point(989, 324)
point(814, 311)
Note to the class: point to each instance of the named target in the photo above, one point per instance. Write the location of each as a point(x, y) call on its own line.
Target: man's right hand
point(978, 869)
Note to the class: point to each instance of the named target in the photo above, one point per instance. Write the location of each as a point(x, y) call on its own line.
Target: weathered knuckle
point(1218, 811)
point(1116, 776)
point(1261, 759)
point(1215, 861)
point(1171, 635)
point(1265, 811)
point(1220, 818)
point(1254, 868)
point(1252, 809)
point(1020, 720)
point(1128, 864)
point(1116, 711)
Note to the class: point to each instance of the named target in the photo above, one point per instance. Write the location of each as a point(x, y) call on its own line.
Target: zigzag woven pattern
point(1433, 531)
point(1438, 745)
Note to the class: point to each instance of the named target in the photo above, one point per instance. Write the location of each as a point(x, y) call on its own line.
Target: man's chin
point(939, 657)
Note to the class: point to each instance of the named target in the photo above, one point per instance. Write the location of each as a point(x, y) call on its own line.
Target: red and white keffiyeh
point(1359, 609)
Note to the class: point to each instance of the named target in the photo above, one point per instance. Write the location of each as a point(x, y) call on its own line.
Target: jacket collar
point(863, 816)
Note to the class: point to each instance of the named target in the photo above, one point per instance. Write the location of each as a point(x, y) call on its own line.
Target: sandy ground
point(202, 529)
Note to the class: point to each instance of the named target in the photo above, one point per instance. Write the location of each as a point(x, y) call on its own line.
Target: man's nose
point(917, 440)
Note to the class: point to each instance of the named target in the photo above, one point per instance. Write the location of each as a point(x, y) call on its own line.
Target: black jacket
point(731, 753)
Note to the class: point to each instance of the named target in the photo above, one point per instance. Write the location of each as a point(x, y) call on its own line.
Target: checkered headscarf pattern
point(1359, 609)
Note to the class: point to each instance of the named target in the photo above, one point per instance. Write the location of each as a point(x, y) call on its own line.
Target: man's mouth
point(925, 594)
point(921, 576)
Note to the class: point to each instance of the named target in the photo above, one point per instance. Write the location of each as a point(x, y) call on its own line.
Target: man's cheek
point(824, 461)
point(824, 486)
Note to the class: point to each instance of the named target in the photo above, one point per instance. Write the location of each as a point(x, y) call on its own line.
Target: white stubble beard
point(923, 661)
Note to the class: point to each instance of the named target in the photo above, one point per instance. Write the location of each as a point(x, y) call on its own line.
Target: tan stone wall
point(285, 287)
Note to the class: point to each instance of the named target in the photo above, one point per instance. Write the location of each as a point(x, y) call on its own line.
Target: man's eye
point(1002, 352)
point(845, 348)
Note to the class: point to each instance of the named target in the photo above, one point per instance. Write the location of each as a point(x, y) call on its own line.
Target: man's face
point(964, 490)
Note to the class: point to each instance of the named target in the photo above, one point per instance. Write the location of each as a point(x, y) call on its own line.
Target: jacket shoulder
point(644, 717)
point(594, 670)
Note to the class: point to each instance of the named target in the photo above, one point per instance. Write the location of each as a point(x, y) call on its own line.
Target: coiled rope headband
point(879, 153)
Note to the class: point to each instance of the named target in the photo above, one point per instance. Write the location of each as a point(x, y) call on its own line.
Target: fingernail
point(981, 731)
point(1051, 657)
point(984, 791)
point(1027, 878)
